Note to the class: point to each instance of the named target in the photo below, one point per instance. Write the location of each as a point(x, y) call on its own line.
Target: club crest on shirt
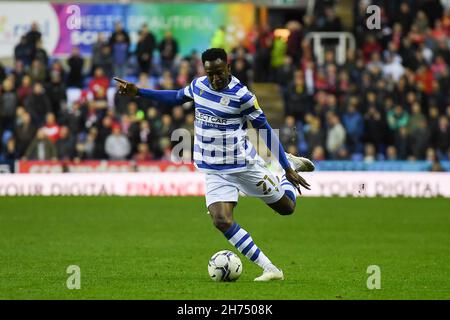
point(224, 101)
point(201, 91)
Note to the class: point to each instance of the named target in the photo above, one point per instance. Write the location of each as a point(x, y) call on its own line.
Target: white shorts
point(257, 181)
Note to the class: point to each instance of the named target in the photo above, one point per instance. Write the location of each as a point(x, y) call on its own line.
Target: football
point(224, 265)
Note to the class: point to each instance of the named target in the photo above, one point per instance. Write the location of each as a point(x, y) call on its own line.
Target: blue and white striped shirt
point(221, 144)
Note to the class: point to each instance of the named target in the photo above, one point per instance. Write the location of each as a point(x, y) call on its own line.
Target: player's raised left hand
point(293, 177)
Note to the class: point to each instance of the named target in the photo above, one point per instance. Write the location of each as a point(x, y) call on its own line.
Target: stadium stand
point(383, 105)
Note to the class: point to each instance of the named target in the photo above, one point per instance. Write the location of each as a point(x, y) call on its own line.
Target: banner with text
point(65, 25)
point(323, 184)
point(100, 166)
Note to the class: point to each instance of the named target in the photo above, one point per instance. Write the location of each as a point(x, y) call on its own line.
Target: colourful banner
point(78, 24)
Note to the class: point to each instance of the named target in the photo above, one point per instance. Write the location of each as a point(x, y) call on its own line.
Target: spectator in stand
point(354, 125)
point(330, 21)
point(38, 71)
point(405, 17)
point(57, 68)
point(371, 46)
point(143, 153)
point(442, 137)
point(24, 134)
point(154, 120)
point(277, 55)
point(331, 104)
point(18, 73)
point(420, 139)
point(166, 149)
point(88, 149)
point(166, 126)
point(314, 135)
point(294, 41)
point(117, 146)
point(97, 50)
point(318, 153)
point(416, 117)
point(288, 132)
point(263, 48)
point(38, 105)
point(41, 54)
point(142, 134)
point(104, 131)
point(219, 39)
point(298, 101)
point(375, 127)
point(284, 75)
point(23, 51)
point(51, 128)
point(41, 148)
point(119, 30)
point(57, 92)
point(167, 82)
point(393, 68)
point(240, 66)
point(391, 153)
point(168, 50)
point(177, 116)
point(196, 65)
point(397, 118)
point(403, 143)
point(143, 104)
point(99, 84)
point(8, 104)
point(106, 63)
point(370, 153)
point(65, 145)
point(33, 36)
point(144, 49)
point(183, 75)
point(10, 153)
point(75, 62)
point(335, 135)
point(120, 55)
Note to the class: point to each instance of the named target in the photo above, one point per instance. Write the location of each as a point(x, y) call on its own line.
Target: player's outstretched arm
point(168, 97)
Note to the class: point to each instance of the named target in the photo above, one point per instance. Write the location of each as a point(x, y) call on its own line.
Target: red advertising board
point(101, 166)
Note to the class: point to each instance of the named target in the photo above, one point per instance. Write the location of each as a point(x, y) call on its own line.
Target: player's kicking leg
point(286, 205)
point(222, 215)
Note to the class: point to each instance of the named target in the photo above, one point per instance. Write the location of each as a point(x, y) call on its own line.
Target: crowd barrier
point(162, 166)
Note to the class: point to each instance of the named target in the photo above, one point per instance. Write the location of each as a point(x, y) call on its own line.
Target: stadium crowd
point(390, 100)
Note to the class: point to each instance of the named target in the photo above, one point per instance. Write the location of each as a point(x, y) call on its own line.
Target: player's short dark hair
point(213, 54)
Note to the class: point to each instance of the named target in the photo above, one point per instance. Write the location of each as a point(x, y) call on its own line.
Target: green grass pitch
point(158, 248)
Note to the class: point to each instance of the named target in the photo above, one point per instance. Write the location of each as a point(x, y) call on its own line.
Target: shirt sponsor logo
point(208, 118)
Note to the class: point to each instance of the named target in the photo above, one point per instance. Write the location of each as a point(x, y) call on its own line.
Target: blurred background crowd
point(389, 100)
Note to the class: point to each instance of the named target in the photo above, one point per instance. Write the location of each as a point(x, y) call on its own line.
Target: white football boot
point(300, 164)
point(269, 274)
